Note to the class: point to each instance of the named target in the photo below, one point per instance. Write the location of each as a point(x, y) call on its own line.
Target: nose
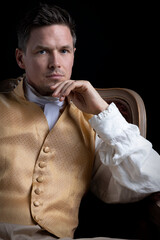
point(54, 61)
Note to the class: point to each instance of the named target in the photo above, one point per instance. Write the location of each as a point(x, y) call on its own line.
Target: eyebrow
point(48, 48)
point(67, 47)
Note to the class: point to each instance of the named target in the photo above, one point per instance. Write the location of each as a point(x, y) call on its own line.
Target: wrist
point(103, 107)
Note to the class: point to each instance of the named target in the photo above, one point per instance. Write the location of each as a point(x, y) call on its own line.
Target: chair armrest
point(8, 85)
point(154, 208)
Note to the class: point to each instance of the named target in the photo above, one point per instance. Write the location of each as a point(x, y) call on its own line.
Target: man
point(58, 137)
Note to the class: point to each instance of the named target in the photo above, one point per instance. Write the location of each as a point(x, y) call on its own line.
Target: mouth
point(55, 76)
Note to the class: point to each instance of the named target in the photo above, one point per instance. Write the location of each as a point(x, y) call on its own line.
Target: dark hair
point(43, 15)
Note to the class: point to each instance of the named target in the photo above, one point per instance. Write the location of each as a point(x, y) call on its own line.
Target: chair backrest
point(129, 103)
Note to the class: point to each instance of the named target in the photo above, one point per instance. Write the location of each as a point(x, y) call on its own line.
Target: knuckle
point(87, 83)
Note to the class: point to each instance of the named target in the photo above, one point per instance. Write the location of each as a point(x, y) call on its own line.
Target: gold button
point(42, 164)
point(46, 149)
point(40, 179)
point(36, 218)
point(36, 203)
point(37, 191)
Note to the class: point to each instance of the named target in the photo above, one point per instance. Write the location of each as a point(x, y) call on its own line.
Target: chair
point(140, 220)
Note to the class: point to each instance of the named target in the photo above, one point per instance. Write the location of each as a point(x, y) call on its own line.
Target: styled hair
point(43, 15)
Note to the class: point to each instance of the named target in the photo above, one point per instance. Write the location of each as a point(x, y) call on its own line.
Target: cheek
point(33, 71)
point(69, 65)
point(68, 71)
point(35, 66)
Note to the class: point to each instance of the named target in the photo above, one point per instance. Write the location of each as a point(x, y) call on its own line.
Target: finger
point(62, 98)
point(63, 89)
point(67, 88)
point(57, 88)
point(55, 85)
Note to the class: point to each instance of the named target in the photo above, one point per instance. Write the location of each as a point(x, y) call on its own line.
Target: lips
point(55, 76)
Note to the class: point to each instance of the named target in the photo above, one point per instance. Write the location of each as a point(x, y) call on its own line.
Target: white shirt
point(126, 163)
point(50, 105)
point(126, 167)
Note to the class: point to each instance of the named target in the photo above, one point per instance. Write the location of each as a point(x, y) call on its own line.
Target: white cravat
point(50, 105)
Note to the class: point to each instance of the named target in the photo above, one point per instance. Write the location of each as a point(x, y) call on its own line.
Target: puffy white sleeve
point(126, 167)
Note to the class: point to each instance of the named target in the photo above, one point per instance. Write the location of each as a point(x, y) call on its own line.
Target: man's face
point(48, 58)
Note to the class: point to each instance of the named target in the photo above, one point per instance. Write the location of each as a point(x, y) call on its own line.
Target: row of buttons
point(40, 179)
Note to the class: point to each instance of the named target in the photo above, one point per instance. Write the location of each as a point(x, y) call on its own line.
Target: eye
point(42, 52)
point(64, 51)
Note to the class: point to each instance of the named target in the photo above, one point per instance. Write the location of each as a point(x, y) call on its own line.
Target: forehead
point(51, 35)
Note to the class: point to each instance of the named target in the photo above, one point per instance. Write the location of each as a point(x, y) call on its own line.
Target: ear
point(19, 58)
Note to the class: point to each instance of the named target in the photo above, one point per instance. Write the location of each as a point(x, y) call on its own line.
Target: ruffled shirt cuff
point(109, 123)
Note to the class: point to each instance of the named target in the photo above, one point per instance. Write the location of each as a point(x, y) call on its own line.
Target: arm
point(126, 166)
point(125, 162)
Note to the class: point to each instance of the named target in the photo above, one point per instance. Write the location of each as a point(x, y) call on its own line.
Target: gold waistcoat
point(43, 174)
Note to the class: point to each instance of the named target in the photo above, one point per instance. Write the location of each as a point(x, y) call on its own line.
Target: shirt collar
point(33, 96)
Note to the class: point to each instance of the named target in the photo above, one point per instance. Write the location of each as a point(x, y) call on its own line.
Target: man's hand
point(83, 95)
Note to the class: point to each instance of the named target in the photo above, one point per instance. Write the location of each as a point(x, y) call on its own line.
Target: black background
point(117, 46)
